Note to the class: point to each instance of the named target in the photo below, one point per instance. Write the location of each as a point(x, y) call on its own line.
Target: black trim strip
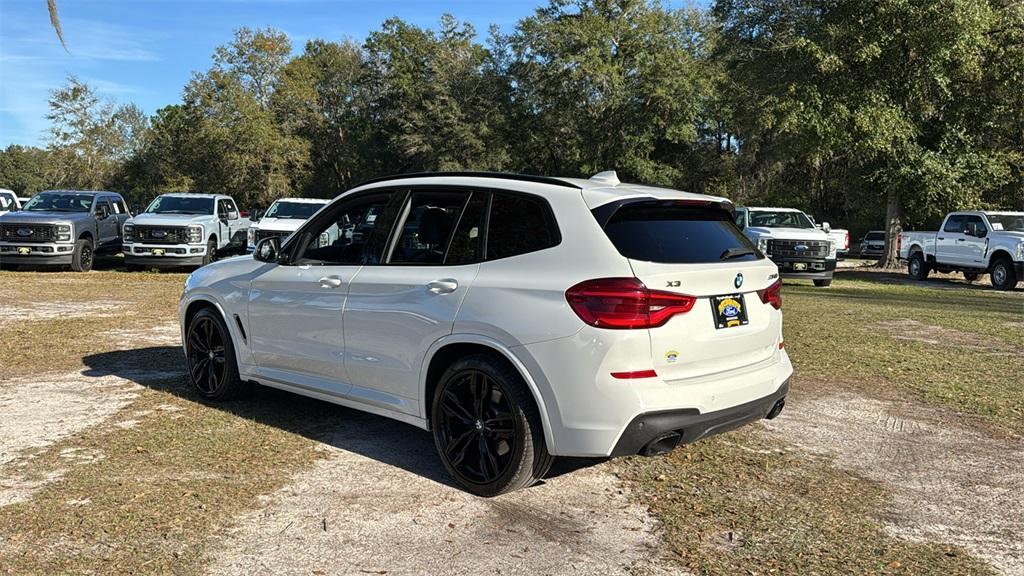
point(499, 175)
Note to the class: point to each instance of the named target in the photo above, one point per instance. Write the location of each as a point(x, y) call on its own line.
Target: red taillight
point(772, 295)
point(625, 303)
point(847, 246)
point(899, 242)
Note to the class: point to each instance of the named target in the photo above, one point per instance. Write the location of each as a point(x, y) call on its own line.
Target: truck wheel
point(971, 276)
point(1003, 275)
point(212, 366)
point(917, 267)
point(823, 283)
point(211, 252)
point(487, 428)
point(81, 259)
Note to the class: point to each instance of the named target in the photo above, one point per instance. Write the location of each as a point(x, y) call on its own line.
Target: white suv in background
point(515, 317)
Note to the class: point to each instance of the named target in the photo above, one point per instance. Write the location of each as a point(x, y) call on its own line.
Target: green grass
point(836, 336)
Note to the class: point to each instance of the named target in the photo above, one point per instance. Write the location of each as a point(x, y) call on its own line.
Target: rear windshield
point(673, 234)
point(875, 236)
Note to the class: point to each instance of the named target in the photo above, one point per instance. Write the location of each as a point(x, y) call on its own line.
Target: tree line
point(870, 113)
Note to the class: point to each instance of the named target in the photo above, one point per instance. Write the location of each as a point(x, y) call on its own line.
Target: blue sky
point(144, 51)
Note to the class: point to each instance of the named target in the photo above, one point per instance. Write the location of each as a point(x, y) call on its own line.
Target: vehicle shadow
point(388, 441)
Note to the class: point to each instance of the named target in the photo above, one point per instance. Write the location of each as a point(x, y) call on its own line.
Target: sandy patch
point(380, 503)
point(949, 483)
point(22, 311)
point(906, 329)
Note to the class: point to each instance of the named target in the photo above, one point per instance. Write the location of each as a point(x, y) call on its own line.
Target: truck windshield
point(672, 234)
point(1009, 222)
point(180, 205)
point(292, 210)
point(60, 202)
point(780, 219)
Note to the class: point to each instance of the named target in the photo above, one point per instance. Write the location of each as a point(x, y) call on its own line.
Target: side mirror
point(254, 214)
point(825, 226)
point(268, 250)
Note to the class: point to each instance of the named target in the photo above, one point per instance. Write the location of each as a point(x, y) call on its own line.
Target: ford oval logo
point(24, 232)
point(158, 233)
point(738, 281)
point(800, 247)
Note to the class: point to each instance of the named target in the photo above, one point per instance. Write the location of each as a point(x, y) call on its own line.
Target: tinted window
point(954, 224)
point(350, 233)
point(669, 233)
point(104, 204)
point(519, 224)
point(428, 228)
point(467, 245)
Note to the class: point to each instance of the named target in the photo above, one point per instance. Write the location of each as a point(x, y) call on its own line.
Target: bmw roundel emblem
point(739, 280)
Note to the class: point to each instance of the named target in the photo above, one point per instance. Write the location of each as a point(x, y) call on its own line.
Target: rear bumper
point(689, 425)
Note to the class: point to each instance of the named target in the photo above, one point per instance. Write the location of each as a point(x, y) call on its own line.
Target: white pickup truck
point(282, 218)
point(972, 242)
point(791, 240)
point(9, 201)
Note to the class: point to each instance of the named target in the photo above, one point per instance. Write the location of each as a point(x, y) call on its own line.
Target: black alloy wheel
point(212, 366)
point(477, 428)
point(487, 428)
point(206, 356)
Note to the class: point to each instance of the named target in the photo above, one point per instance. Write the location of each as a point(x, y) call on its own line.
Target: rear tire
point(83, 256)
point(487, 428)
point(1004, 277)
point(210, 358)
point(917, 267)
point(823, 283)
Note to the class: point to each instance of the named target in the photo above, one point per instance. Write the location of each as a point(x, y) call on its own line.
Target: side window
point(428, 227)
point(354, 232)
point(519, 224)
point(121, 207)
point(467, 245)
point(954, 224)
point(222, 209)
point(100, 205)
point(972, 225)
point(232, 210)
point(740, 218)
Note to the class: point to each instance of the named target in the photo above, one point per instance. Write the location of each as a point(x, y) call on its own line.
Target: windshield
point(1009, 222)
point(292, 210)
point(766, 219)
point(58, 202)
point(180, 205)
point(875, 236)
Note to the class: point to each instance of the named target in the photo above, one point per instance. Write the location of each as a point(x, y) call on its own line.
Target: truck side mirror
point(825, 227)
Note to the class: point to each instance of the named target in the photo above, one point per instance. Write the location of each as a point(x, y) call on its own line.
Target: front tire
point(823, 283)
point(1004, 277)
point(211, 252)
point(487, 428)
point(917, 267)
point(212, 366)
point(82, 258)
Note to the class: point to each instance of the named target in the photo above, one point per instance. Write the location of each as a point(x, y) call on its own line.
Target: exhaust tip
point(662, 444)
point(776, 409)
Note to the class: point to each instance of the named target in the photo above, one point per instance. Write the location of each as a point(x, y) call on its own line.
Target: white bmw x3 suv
point(516, 317)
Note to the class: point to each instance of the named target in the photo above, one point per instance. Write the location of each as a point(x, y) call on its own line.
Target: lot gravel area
point(899, 452)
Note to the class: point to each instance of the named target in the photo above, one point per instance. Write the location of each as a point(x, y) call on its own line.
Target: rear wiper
point(736, 253)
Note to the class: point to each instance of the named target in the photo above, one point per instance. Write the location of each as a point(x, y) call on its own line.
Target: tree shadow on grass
point(391, 442)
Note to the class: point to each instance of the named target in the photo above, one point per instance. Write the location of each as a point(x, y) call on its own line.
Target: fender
point(236, 337)
point(507, 352)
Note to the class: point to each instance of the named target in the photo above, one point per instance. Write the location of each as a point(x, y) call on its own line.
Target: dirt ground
point(376, 500)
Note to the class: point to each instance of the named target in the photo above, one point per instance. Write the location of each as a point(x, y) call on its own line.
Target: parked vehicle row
point(790, 238)
point(63, 228)
point(971, 242)
point(515, 317)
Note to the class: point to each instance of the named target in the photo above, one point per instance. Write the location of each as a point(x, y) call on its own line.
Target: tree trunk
point(893, 227)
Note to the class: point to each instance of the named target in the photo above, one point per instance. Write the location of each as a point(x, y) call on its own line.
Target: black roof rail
point(501, 175)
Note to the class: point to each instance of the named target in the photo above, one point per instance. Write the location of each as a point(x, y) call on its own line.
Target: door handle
point(444, 286)
point(942, 238)
point(330, 282)
point(959, 239)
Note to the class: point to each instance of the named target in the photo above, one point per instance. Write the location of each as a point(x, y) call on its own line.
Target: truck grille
point(262, 234)
point(798, 248)
point(28, 233)
point(161, 234)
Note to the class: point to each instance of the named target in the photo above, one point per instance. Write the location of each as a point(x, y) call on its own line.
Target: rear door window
point(519, 224)
point(669, 233)
point(428, 227)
